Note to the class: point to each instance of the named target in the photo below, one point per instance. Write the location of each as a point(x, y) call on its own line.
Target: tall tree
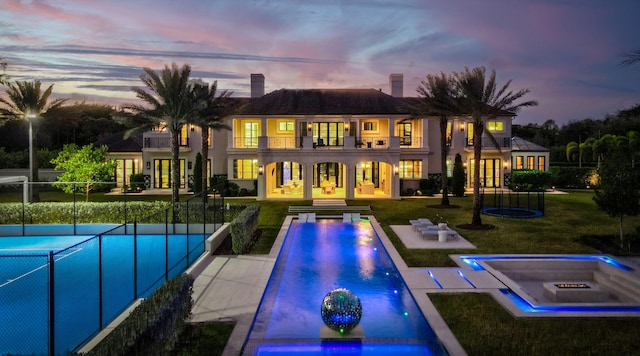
point(210, 114)
point(483, 100)
point(617, 192)
point(169, 97)
point(439, 97)
point(26, 101)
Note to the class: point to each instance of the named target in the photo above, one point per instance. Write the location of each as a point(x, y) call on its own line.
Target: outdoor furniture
point(367, 188)
point(328, 187)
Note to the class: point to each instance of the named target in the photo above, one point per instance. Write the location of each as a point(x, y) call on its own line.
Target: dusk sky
point(567, 52)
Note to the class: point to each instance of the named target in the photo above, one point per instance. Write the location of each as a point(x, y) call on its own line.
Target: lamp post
point(30, 118)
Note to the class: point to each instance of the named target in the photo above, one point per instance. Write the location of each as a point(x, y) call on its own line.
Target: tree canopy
point(87, 166)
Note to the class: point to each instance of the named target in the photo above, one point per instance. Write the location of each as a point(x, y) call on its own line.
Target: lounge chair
point(311, 217)
point(346, 217)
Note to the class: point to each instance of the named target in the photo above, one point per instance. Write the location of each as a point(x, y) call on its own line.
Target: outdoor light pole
point(30, 118)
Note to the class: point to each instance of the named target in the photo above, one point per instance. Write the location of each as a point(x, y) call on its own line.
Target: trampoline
point(512, 212)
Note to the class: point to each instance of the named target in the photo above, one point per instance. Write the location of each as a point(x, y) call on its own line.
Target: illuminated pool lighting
point(528, 307)
point(472, 261)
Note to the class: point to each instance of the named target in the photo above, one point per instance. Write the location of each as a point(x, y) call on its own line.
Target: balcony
point(488, 144)
point(162, 143)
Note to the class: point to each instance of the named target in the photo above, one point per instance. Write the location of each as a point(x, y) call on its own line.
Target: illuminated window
point(531, 162)
point(541, 163)
point(410, 168)
point(404, 132)
point(519, 162)
point(250, 134)
point(371, 126)
point(245, 168)
point(286, 126)
point(449, 132)
point(495, 126)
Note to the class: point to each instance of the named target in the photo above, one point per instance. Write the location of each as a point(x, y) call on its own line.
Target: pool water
point(317, 258)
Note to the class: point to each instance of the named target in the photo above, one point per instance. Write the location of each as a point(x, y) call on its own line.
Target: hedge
point(153, 327)
point(243, 227)
point(91, 212)
point(530, 180)
point(570, 177)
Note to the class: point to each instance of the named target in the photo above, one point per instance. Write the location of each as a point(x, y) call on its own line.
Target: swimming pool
point(316, 258)
point(89, 281)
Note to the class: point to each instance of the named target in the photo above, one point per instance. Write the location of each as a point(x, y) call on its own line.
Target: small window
point(541, 163)
point(286, 126)
point(495, 126)
point(369, 126)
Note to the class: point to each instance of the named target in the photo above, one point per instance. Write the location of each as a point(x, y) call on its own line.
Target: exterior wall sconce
point(462, 126)
point(189, 165)
point(309, 126)
point(346, 127)
point(396, 170)
point(506, 165)
point(148, 165)
point(464, 165)
point(260, 170)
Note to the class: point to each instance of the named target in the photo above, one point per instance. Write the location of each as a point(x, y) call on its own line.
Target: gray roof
point(520, 144)
point(325, 102)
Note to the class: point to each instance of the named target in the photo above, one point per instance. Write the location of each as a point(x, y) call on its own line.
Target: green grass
point(483, 327)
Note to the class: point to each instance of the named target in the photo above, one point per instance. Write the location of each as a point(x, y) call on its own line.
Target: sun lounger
point(355, 217)
point(302, 217)
point(311, 217)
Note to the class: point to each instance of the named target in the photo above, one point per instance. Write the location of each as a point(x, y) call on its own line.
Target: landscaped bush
point(137, 181)
point(243, 227)
point(92, 212)
point(530, 180)
point(154, 326)
point(570, 177)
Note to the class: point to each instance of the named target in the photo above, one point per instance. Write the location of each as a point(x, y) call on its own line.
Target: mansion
point(324, 143)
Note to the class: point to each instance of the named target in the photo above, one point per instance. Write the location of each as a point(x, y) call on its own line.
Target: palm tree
point(3, 66)
point(483, 100)
point(170, 99)
point(439, 97)
point(211, 111)
point(26, 101)
point(632, 58)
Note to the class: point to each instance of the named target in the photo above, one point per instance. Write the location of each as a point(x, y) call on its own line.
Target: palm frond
point(631, 58)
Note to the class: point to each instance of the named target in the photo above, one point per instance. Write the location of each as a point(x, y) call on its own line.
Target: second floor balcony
point(489, 144)
point(318, 143)
point(163, 143)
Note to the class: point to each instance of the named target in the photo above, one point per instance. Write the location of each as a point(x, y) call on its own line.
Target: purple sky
point(565, 51)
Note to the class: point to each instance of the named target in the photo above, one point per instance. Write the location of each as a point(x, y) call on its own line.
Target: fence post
point(52, 339)
point(74, 207)
point(135, 259)
point(166, 242)
point(100, 289)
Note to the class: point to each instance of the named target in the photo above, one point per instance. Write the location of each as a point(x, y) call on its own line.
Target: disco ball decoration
point(341, 310)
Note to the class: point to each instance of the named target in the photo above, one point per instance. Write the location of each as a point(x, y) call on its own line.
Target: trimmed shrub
point(154, 326)
point(137, 181)
point(570, 177)
point(530, 180)
point(243, 227)
point(62, 213)
point(459, 178)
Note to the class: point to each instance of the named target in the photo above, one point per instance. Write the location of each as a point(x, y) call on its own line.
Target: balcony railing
point(487, 143)
point(164, 142)
point(372, 142)
point(283, 143)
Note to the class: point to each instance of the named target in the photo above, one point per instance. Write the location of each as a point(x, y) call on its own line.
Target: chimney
point(257, 85)
point(396, 85)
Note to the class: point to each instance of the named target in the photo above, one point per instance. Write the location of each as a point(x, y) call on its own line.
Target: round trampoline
point(512, 212)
